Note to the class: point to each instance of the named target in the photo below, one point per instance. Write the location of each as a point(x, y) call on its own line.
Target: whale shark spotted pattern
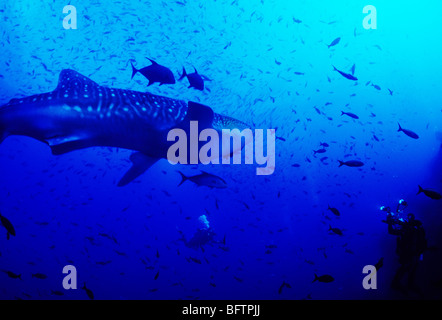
point(157, 111)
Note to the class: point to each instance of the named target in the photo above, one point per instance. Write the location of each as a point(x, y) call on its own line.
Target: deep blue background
point(251, 49)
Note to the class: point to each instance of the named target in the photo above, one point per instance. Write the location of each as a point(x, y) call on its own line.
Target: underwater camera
point(396, 217)
point(401, 206)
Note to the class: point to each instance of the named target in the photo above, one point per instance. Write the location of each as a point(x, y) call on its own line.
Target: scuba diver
point(410, 245)
point(202, 236)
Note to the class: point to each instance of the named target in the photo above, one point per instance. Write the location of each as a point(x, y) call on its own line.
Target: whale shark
point(80, 113)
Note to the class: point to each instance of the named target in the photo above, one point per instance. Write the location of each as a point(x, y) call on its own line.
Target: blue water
point(275, 226)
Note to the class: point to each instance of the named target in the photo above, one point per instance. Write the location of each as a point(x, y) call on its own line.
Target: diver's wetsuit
point(411, 244)
point(201, 237)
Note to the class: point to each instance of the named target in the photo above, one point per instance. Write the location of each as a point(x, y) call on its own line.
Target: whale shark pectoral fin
point(140, 163)
point(201, 113)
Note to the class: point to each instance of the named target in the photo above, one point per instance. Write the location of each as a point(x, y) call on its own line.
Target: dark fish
point(376, 86)
point(280, 288)
point(351, 115)
point(155, 73)
point(120, 253)
point(351, 163)
point(319, 151)
point(430, 194)
point(353, 70)
point(309, 261)
point(89, 293)
point(177, 284)
point(157, 275)
point(195, 80)
point(325, 278)
point(379, 264)
point(8, 226)
point(346, 75)
point(39, 276)
point(324, 144)
point(195, 260)
point(334, 210)
point(12, 275)
point(390, 91)
point(317, 110)
point(335, 230)
point(334, 42)
point(105, 235)
point(205, 179)
point(409, 133)
point(376, 138)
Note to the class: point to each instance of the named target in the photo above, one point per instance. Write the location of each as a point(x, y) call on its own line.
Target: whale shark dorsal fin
point(201, 113)
point(73, 82)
